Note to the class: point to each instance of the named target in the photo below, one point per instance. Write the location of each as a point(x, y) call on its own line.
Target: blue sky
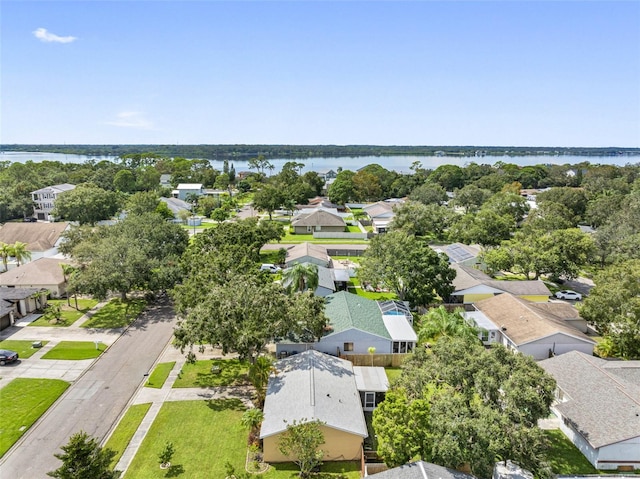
point(521, 73)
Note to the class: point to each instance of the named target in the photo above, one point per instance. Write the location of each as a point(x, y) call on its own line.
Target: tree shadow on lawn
point(175, 470)
point(225, 405)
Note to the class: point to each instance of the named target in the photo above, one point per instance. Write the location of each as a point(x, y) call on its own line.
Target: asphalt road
point(94, 402)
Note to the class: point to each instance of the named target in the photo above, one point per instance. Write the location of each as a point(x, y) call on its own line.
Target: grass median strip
point(23, 402)
point(160, 375)
point(116, 314)
point(125, 430)
point(75, 350)
point(23, 348)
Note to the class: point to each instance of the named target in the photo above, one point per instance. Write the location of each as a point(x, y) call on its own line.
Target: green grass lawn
point(564, 457)
point(125, 430)
point(205, 434)
point(75, 350)
point(198, 374)
point(270, 257)
point(69, 313)
point(203, 226)
point(160, 375)
point(23, 348)
point(116, 314)
point(290, 237)
point(393, 373)
point(353, 229)
point(23, 402)
point(372, 295)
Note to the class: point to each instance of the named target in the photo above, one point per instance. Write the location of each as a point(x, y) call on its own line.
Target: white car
point(568, 294)
point(271, 268)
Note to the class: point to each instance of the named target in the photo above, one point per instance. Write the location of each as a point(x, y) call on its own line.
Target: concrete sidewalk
point(158, 396)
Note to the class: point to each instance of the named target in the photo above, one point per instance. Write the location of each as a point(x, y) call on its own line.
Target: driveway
point(96, 400)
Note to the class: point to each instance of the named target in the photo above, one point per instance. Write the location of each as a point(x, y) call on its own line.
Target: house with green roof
point(357, 324)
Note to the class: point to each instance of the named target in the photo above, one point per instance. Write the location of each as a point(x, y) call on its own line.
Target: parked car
point(30, 219)
point(7, 356)
point(271, 268)
point(568, 294)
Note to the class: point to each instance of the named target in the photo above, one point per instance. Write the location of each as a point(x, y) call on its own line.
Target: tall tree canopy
point(613, 306)
point(86, 204)
point(141, 252)
point(407, 266)
point(458, 403)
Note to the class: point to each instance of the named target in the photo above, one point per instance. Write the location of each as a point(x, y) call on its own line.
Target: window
point(369, 400)
point(348, 346)
point(484, 335)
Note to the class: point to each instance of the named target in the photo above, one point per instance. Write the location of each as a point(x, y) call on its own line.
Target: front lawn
point(160, 375)
point(23, 348)
point(116, 314)
point(69, 314)
point(231, 372)
point(205, 435)
point(75, 350)
point(564, 457)
point(125, 430)
point(23, 402)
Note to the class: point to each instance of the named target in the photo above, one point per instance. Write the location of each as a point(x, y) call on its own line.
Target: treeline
point(243, 152)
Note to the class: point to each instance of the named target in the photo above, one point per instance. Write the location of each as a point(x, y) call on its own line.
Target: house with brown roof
point(540, 331)
point(43, 273)
point(307, 253)
point(319, 220)
point(598, 403)
point(42, 239)
point(472, 285)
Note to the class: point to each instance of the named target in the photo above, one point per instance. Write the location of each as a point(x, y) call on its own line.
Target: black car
point(30, 220)
point(7, 356)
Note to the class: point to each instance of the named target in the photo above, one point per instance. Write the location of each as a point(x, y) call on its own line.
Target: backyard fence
point(381, 360)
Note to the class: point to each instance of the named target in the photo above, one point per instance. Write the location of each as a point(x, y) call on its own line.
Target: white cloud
point(132, 119)
point(43, 35)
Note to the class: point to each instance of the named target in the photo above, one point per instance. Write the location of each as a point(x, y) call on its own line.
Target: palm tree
point(259, 373)
point(439, 322)
point(5, 252)
point(20, 252)
point(67, 271)
point(300, 277)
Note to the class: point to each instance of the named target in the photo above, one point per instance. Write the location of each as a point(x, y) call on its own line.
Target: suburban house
point(380, 214)
point(16, 303)
point(459, 253)
point(44, 200)
point(472, 285)
point(176, 205)
point(42, 239)
point(43, 273)
point(183, 190)
point(421, 470)
point(598, 403)
point(319, 220)
point(357, 324)
point(326, 281)
point(313, 386)
point(307, 253)
point(538, 330)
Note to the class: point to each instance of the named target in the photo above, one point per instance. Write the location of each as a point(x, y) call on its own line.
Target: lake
point(401, 164)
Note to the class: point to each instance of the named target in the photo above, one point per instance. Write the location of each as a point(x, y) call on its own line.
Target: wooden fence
point(381, 360)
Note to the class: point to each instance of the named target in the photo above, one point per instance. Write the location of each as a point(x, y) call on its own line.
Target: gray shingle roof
point(603, 407)
point(307, 249)
point(312, 385)
point(522, 321)
point(318, 218)
point(421, 470)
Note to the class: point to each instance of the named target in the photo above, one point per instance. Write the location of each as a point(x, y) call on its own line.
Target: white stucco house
point(598, 403)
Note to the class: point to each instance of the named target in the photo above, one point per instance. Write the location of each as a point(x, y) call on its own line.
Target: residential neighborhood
point(336, 322)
